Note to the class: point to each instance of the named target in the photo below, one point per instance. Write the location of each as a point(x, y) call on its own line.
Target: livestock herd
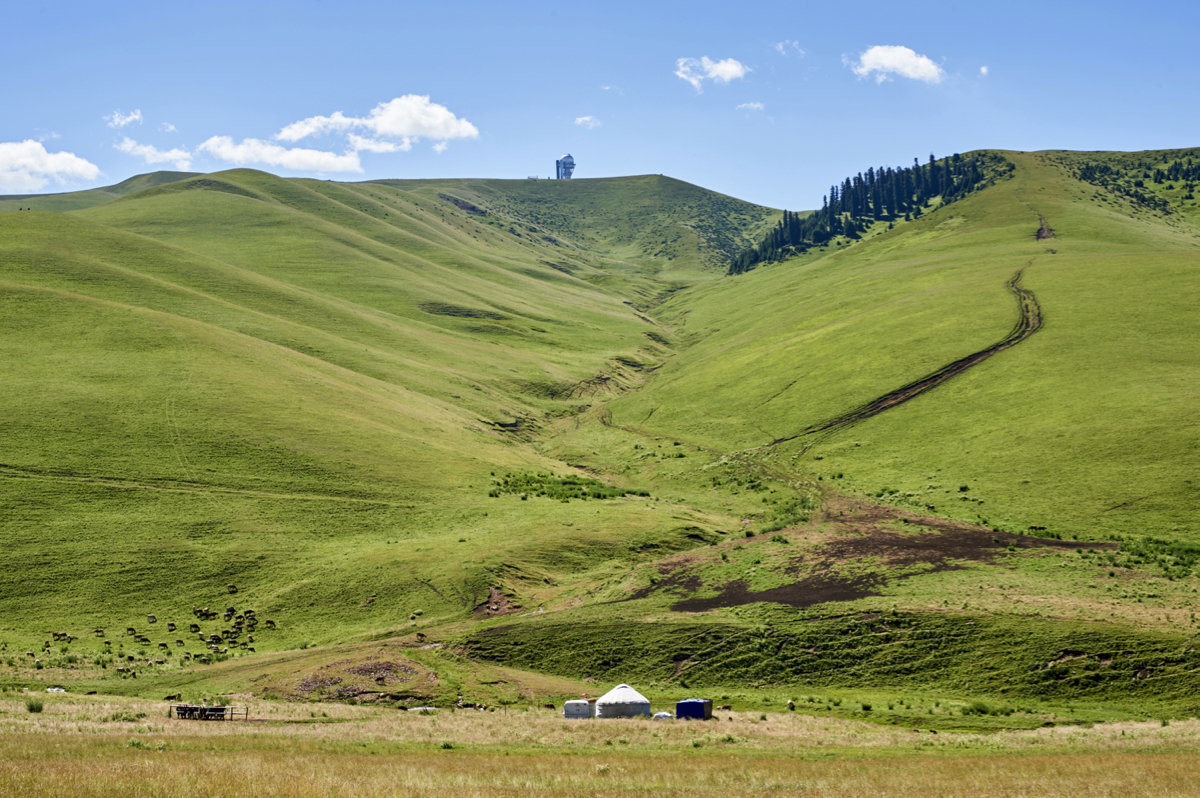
point(237, 634)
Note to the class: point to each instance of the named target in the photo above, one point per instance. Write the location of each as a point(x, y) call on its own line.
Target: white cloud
point(361, 144)
point(26, 166)
point(696, 71)
point(167, 127)
point(440, 147)
point(150, 154)
point(755, 106)
point(612, 88)
point(316, 126)
point(590, 122)
point(256, 151)
point(886, 60)
point(405, 120)
point(789, 46)
point(983, 70)
point(118, 119)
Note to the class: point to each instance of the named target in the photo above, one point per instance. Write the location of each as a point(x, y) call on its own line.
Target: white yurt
point(579, 708)
point(622, 702)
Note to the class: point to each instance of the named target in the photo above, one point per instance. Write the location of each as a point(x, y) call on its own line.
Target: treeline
point(883, 194)
point(1132, 184)
point(1178, 170)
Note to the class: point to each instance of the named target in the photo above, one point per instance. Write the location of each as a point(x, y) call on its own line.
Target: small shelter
point(580, 708)
point(694, 709)
point(622, 702)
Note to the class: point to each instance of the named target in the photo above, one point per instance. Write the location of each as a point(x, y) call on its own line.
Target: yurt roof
point(623, 694)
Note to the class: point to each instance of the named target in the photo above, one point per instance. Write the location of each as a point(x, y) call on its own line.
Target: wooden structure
point(206, 712)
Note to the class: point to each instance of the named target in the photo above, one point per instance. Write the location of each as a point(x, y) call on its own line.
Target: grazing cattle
point(163, 645)
point(173, 697)
point(178, 642)
point(231, 588)
point(129, 630)
point(151, 619)
point(98, 632)
point(270, 624)
point(170, 626)
point(194, 627)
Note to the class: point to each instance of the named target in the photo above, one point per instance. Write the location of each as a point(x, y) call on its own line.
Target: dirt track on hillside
point(1030, 321)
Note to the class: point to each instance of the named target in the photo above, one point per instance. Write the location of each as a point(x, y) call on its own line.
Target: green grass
point(375, 407)
point(77, 200)
point(1083, 429)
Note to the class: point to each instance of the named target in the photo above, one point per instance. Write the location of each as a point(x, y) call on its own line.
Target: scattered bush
point(561, 488)
point(125, 717)
point(33, 705)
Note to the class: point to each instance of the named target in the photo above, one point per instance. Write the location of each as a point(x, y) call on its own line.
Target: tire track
point(1030, 321)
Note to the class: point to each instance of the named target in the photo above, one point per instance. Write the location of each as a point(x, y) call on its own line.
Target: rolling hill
point(534, 423)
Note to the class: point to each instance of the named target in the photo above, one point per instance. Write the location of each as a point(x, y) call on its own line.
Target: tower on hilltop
point(563, 167)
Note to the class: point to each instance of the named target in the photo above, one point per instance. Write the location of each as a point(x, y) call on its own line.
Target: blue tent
point(694, 708)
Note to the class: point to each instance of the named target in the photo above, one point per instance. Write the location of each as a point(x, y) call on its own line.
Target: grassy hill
point(530, 422)
point(77, 200)
point(303, 389)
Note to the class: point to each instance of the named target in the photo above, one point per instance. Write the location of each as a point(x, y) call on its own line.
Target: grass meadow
point(92, 746)
point(518, 439)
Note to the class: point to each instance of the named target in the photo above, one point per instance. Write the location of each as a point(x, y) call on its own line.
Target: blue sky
point(767, 101)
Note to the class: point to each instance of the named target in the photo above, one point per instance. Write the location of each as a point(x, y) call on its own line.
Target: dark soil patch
point(863, 534)
point(497, 604)
point(462, 204)
point(680, 583)
point(816, 589)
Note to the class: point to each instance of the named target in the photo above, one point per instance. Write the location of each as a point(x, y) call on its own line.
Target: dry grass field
point(102, 746)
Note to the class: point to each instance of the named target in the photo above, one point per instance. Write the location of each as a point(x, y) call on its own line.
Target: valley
point(524, 437)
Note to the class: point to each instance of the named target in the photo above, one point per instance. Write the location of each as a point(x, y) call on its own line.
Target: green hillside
point(1086, 428)
point(532, 424)
point(77, 200)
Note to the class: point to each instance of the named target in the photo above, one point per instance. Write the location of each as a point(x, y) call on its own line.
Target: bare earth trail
point(1030, 321)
